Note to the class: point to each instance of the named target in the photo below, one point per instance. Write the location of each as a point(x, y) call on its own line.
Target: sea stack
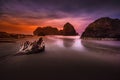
point(68, 30)
point(103, 28)
point(42, 31)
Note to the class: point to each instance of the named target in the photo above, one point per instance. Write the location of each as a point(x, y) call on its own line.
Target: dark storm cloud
point(18, 14)
point(51, 8)
point(34, 15)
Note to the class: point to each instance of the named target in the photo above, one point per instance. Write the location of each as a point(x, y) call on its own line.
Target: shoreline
point(7, 40)
point(102, 39)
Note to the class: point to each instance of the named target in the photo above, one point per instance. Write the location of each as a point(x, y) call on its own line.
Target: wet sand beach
point(65, 58)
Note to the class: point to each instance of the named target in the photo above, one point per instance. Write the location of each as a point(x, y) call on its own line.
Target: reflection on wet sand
point(100, 47)
point(68, 42)
point(63, 57)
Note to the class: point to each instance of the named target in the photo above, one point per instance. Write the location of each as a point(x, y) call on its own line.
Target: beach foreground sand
point(65, 58)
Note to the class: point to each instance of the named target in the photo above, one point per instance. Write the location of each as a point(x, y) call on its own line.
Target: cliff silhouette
point(68, 30)
point(104, 27)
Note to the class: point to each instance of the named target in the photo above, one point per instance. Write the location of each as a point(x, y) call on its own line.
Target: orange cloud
point(27, 26)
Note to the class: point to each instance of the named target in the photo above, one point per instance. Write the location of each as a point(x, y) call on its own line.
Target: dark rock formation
point(16, 36)
point(61, 32)
point(46, 31)
point(4, 35)
point(68, 29)
point(103, 28)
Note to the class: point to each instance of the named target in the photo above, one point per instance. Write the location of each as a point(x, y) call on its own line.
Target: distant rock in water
point(46, 31)
point(16, 36)
point(68, 30)
point(4, 35)
point(103, 28)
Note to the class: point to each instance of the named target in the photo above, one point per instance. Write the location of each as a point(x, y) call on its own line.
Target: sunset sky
point(23, 16)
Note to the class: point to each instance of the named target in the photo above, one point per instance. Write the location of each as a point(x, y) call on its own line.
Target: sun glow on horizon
point(27, 26)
